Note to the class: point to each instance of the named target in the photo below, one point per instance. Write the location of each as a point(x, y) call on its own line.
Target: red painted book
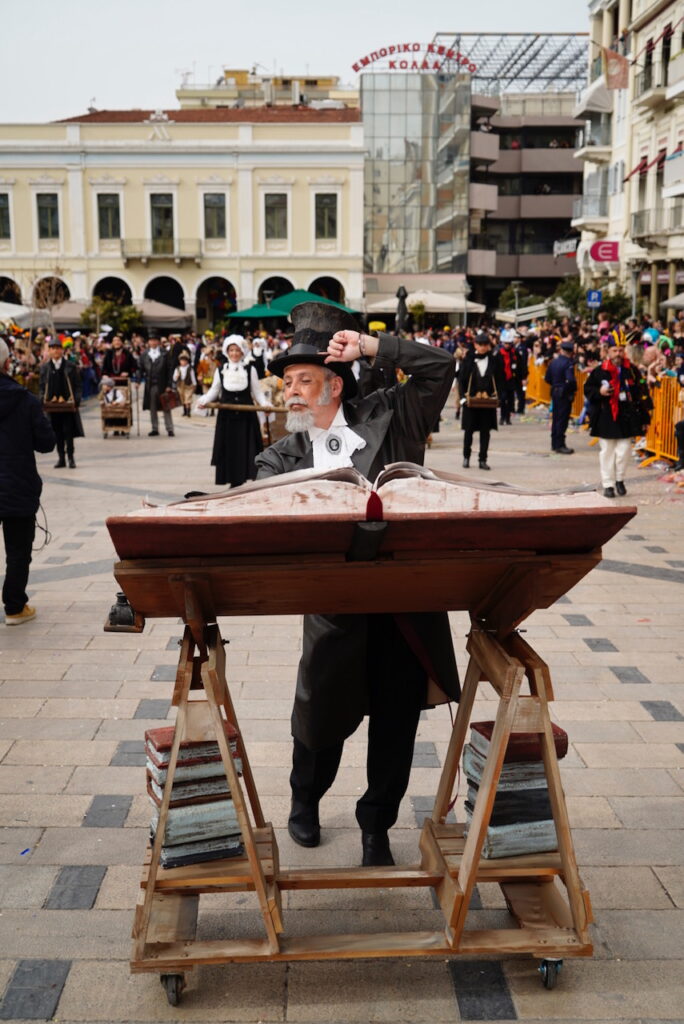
point(522, 746)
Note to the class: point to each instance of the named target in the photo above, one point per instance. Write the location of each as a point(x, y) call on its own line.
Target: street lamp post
point(515, 285)
point(467, 289)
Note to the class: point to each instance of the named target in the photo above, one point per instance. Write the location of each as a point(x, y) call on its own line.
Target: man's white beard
point(299, 421)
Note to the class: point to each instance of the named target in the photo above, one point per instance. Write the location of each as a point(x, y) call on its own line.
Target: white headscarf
point(233, 339)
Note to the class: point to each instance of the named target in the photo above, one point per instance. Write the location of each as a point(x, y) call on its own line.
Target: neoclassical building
point(202, 209)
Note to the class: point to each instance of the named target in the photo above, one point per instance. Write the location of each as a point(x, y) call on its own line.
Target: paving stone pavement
point(75, 702)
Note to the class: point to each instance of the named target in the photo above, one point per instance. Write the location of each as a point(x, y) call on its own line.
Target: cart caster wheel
point(549, 970)
point(173, 985)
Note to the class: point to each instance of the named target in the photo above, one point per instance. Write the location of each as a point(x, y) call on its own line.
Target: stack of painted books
point(522, 819)
point(202, 823)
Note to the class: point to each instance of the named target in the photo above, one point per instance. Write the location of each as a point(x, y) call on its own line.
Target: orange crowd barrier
point(539, 392)
point(660, 436)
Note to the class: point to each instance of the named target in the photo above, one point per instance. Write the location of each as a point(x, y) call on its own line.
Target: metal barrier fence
point(660, 436)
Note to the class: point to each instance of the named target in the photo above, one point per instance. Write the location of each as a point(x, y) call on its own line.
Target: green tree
point(617, 305)
point(573, 295)
point(525, 298)
point(123, 319)
point(417, 311)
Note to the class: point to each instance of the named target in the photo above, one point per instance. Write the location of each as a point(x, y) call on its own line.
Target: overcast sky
point(59, 58)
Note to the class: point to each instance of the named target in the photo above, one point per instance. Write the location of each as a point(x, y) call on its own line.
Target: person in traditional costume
point(237, 437)
point(617, 413)
point(481, 373)
point(60, 384)
point(381, 665)
point(185, 381)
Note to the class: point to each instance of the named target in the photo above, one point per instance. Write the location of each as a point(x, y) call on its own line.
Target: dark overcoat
point(67, 382)
point(630, 414)
point(332, 690)
point(24, 429)
point(157, 373)
point(492, 382)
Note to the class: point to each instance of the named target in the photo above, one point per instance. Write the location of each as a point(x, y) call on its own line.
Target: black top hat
point(314, 325)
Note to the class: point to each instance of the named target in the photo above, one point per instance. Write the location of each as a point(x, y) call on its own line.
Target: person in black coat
point(24, 429)
point(60, 381)
point(119, 361)
point(378, 665)
point(480, 373)
point(616, 415)
point(156, 369)
point(560, 376)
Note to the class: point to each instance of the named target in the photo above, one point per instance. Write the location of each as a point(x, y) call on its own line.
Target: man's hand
point(346, 346)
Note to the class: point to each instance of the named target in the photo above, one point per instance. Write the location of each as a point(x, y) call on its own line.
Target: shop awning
point(595, 99)
point(640, 167)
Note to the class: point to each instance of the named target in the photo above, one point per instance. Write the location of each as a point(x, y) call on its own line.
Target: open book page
point(411, 471)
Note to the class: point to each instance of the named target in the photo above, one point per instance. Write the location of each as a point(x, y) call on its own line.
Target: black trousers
point(520, 396)
point(560, 416)
point(63, 426)
point(18, 532)
point(507, 401)
point(396, 695)
point(468, 443)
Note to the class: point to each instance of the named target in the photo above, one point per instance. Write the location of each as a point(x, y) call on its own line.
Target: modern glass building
point(417, 172)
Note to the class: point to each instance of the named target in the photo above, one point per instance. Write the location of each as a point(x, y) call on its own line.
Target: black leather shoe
point(620, 488)
point(376, 850)
point(171, 433)
point(608, 492)
point(153, 433)
point(303, 824)
point(466, 462)
point(483, 465)
point(72, 462)
point(564, 450)
point(60, 464)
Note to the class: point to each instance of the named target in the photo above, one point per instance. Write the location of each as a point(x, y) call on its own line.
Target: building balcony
point(483, 197)
point(650, 86)
point(508, 208)
point(590, 213)
point(594, 143)
point(482, 262)
point(556, 206)
point(484, 147)
point(652, 224)
point(548, 161)
point(595, 99)
point(176, 249)
point(508, 162)
point(673, 175)
point(675, 77)
point(545, 265)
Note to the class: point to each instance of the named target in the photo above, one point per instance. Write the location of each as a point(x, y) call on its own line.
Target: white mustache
point(296, 400)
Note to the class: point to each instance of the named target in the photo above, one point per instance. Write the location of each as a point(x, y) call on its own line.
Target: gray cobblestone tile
point(107, 811)
point(629, 674)
point(152, 709)
point(662, 711)
point(34, 990)
point(76, 887)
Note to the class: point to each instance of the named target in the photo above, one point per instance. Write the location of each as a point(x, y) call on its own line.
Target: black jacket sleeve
point(44, 439)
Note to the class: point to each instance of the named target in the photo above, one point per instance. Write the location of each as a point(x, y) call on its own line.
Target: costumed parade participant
point(60, 384)
point(616, 415)
point(480, 382)
point(384, 666)
point(156, 370)
point(185, 380)
point(237, 437)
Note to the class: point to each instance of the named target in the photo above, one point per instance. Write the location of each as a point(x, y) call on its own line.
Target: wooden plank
point(514, 597)
point(456, 742)
point(537, 905)
point(185, 665)
point(536, 669)
point(528, 716)
point(494, 662)
point(179, 956)
point(173, 918)
point(199, 727)
point(484, 803)
point(447, 890)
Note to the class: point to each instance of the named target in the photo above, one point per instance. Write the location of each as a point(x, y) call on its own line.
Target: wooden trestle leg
point(547, 922)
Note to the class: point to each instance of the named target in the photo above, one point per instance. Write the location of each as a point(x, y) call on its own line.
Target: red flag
point(617, 69)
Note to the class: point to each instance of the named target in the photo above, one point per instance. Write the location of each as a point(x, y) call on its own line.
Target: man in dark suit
point(24, 429)
point(60, 382)
point(156, 369)
point(481, 374)
point(353, 665)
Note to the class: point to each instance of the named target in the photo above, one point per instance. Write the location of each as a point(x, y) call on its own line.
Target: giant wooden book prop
point(415, 541)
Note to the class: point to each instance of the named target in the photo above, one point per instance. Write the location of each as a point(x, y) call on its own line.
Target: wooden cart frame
point(118, 417)
point(544, 892)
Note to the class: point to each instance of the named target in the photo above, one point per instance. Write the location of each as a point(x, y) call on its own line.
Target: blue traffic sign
point(594, 299)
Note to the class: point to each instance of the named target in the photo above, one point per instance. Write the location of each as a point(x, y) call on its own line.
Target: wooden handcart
point(550, 907)
point(115, 417)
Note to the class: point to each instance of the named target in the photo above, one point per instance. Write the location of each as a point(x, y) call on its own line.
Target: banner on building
point(617, 69)
point(568, 247)
point(605, 252)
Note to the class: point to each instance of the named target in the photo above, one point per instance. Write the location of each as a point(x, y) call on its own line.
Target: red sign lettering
point(429, 48)
point(605, 252)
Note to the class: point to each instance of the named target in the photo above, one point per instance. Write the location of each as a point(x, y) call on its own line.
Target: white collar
point(334, 446)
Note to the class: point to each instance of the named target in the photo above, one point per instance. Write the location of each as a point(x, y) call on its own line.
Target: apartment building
point(632, 150)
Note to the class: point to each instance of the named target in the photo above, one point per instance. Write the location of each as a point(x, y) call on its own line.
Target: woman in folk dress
point(237, 438)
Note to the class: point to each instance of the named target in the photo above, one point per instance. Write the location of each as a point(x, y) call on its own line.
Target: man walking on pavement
point(24, 429)
point(60, 382)
point(156, 370)
point(560, 375)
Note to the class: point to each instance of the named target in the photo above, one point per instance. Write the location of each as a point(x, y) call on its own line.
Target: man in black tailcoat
point(156, 369)
point(60, 382)
point(481, 373)
point(384, 666)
